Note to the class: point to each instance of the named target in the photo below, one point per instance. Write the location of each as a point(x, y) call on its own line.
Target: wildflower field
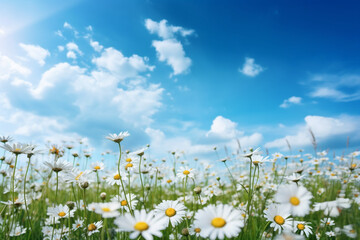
point(62, 192)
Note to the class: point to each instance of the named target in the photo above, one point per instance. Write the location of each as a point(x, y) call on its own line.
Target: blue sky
point(181, 75)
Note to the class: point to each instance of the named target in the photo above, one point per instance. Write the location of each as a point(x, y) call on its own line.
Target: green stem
point(26, 208)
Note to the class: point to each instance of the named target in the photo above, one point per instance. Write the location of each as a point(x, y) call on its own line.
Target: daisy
point(78, 223)
point(61, 211)
point(333, 208)
point(115, 178)
point(94, 227)
point(349, 231)
point(123, 201)
point(108, 210)
point(172, 210)
point(295, 198)
point(17, 231)
point(294, 177)
point(118, 137)
point(327, 222)
point(278, 216)
point(184, 172)
point(97, 166)
point(142, 223)
point(303, 227)
point(258, 159)
point(218, 221)
point(17, 148)
point(4, 139)
point(59, 165)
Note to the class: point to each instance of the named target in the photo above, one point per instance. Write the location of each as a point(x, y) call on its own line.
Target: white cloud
point(2, 31)
point(291, 101)
point(223, 128)
point(71, 54)
point(170, 49)
point(35, 52)
point(340, 88)
point(172, 52)
point(139, 103)
point(324, 128)
point(97, 47)
point(250, 68)
point(60, 73)
point(121, 66)
point(67, 25)
point(165, 31)
point(61, 48)
point(9, 68)
point(72, 48)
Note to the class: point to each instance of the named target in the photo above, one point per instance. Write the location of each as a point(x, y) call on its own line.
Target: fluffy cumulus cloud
point(107, 91)
point(250, 68)
point(172, 52)
point(340, 88)
point(291, 101)
point(35, 52)
point(170, 49)
point(324, 128)
point(123, 67)
point(223, 128)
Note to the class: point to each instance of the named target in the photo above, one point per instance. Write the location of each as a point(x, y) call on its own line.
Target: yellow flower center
point(12, 166)
point(301, 226)
point(218, 222)
point(333, 174)
point(352, 231)
point(186, 172)
point(97, 167)
point(128, 165)
point(78, 225)
point(17, 150)
point(62, 214)
point(169, 181)
point(141, 226)
point(353, 165)
point(117, 177)
point(279, 220)
point(128, 160)
point(106, 209)
point(294, 201)
point(197, 230)
point(170, 212)
point(123, 203)
point(91, 227)
point(78, 176)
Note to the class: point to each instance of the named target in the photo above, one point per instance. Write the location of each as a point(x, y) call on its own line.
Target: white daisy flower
point(59, 165)
point(115, 178)
point(174, 211)
point(184, 172)
point(94, 227)
point(278, 216)
point(349, 231)
point(295, 198)
point(218, 221)
point(108, 210)
point(60, 211)
point(327, 222)
point(17, 231)
point(97, 166)
point(17, 148)
point(131, 198)
point(144, 224)
point(78, 223)
point(118, 137)
point(303, 227)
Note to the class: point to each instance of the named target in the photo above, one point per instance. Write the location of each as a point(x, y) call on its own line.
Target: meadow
point(61, 192)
